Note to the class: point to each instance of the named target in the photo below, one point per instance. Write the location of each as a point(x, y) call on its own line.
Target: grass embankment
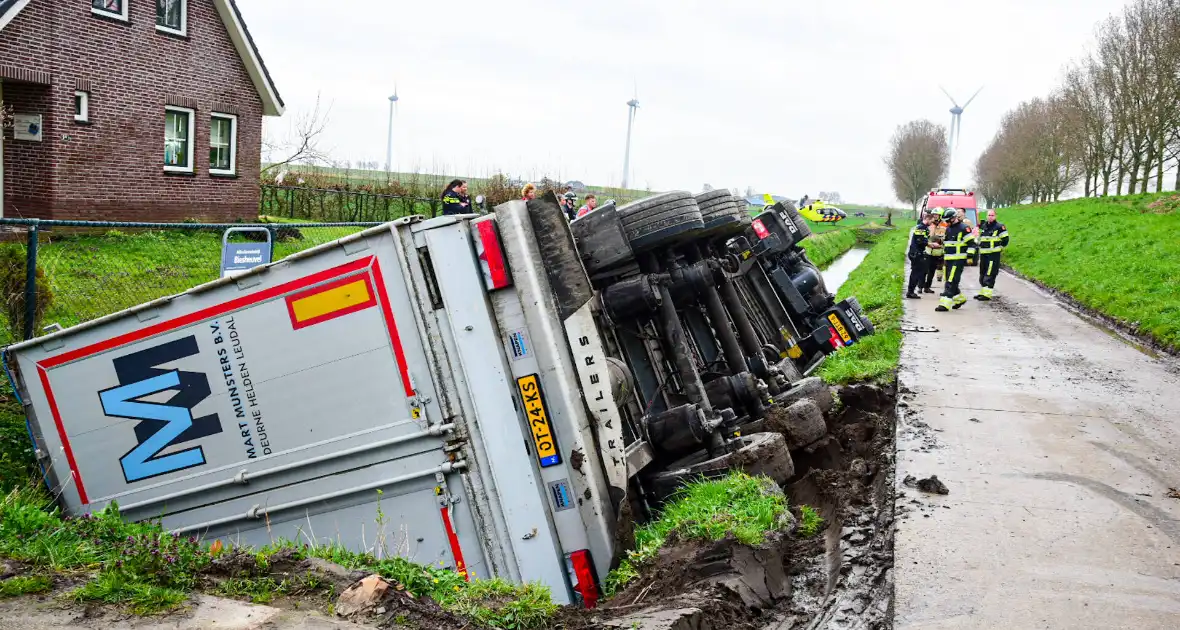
point(1118, 255)
point(877, 285)
point(747, 508)
point(824, 248)
point(96, 275)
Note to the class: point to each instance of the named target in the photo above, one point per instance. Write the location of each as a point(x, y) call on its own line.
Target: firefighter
point(993, 238)
point(934, 249)
point(919, 237)
point(957, 243)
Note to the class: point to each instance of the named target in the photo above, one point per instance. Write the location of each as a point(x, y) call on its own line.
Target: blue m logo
point(161, 425)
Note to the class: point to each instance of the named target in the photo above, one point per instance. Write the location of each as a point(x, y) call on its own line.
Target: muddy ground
point(838, 579)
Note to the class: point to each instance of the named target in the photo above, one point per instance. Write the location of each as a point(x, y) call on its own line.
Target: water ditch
point(836, 274)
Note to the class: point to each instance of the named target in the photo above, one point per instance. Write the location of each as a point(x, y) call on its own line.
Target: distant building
point(131, 110)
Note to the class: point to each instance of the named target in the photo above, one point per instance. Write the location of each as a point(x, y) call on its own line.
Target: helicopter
point(814, 210)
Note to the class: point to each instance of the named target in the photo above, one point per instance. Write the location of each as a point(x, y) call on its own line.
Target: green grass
point(877, 285)
point(748, 508)
point(811, 522)
point(824, 248)
point(25, 585)
point(146, 570)
point(1118, 255)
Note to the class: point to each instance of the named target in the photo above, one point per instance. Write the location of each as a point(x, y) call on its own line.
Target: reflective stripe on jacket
point(993, 237)
point(959, 240)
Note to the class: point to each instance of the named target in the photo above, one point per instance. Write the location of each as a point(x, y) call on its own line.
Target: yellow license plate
point(538, 418)
point(840, 329)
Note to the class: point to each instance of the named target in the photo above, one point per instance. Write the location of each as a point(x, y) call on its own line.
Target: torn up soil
point(837, 579)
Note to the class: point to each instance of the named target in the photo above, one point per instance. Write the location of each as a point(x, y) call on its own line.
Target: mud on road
point(840, 578)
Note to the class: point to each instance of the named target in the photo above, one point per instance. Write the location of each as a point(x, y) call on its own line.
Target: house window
point(171, 16)
point(110, 8)
point(223, 144)
point(178, 139)
point(81, 106)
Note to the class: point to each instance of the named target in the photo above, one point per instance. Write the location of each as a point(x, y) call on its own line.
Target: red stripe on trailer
point(61, 431)
point(394, 337)
point(217, 310)
point(453, 538)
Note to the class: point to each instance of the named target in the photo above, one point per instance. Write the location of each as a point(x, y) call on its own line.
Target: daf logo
point(855, 320)
point(162, 424)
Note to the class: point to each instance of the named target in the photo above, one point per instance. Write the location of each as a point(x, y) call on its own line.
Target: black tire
point(811, 388)
point(802, 225)
point(660, 220)
point(792, 211)
point(790, 371)
point(801, 423)
point(860, 312)
point(758, 454)
point(706, 197)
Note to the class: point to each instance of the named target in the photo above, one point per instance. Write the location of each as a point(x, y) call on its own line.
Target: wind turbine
point(389, 144)
point(957, 117)
point(632, 106)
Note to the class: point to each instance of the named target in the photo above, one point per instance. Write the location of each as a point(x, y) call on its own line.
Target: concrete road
point(1059, 442)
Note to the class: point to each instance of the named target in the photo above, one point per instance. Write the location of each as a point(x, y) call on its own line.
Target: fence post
point(31, 281)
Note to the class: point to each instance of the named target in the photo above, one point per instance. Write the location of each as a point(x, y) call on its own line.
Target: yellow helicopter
point(814, 210)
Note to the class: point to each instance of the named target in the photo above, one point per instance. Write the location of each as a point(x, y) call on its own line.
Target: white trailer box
point(402, 370)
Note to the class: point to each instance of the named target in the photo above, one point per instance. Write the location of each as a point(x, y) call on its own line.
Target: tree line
point(1111, 127)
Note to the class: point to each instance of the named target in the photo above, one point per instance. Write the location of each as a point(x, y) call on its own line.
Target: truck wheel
point(860, 312)
point(811, 388)
point(660, 219)
point(802, 423)
point(757, 454)
point(802, 226)
point(720, 214)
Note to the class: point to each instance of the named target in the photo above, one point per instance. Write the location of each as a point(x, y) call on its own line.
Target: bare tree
point(301, 144)
point(918, 159)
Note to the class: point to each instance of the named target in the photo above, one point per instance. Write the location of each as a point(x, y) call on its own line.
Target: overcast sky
point(787, 97)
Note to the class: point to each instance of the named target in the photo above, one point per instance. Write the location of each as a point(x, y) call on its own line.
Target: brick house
point(131, 110)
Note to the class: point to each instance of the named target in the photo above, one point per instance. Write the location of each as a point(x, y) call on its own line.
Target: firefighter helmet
point(949, 213)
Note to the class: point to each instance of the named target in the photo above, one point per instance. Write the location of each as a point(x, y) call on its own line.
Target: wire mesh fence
point(85, 270)
point(331, 205)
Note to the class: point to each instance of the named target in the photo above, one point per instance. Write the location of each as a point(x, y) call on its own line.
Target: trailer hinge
point(418, 407)
point(445, 499)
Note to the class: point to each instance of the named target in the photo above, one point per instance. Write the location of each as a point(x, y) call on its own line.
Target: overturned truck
point(500, 394)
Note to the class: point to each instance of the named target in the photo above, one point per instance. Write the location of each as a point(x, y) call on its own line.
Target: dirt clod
point(930, 485)
point(1174, 493)
point(363, 596)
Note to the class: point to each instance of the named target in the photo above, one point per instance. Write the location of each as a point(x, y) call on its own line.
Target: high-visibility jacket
point(993, 237)
point(958, 242)
point(454, 203)
point(937, 233)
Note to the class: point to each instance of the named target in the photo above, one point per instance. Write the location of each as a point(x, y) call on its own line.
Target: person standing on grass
point(591, 204)
point(529, 192)
point(993, 238)
point(454, 198)
point(959, 242)
point(919, 237)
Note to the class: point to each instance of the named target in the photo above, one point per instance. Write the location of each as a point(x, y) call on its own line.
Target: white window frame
point(84, 116)
point(192, 138)
point(116, 16)
point(233, 144)
point(183, 32)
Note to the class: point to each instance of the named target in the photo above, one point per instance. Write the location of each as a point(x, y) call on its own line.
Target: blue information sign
point(240, 257)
